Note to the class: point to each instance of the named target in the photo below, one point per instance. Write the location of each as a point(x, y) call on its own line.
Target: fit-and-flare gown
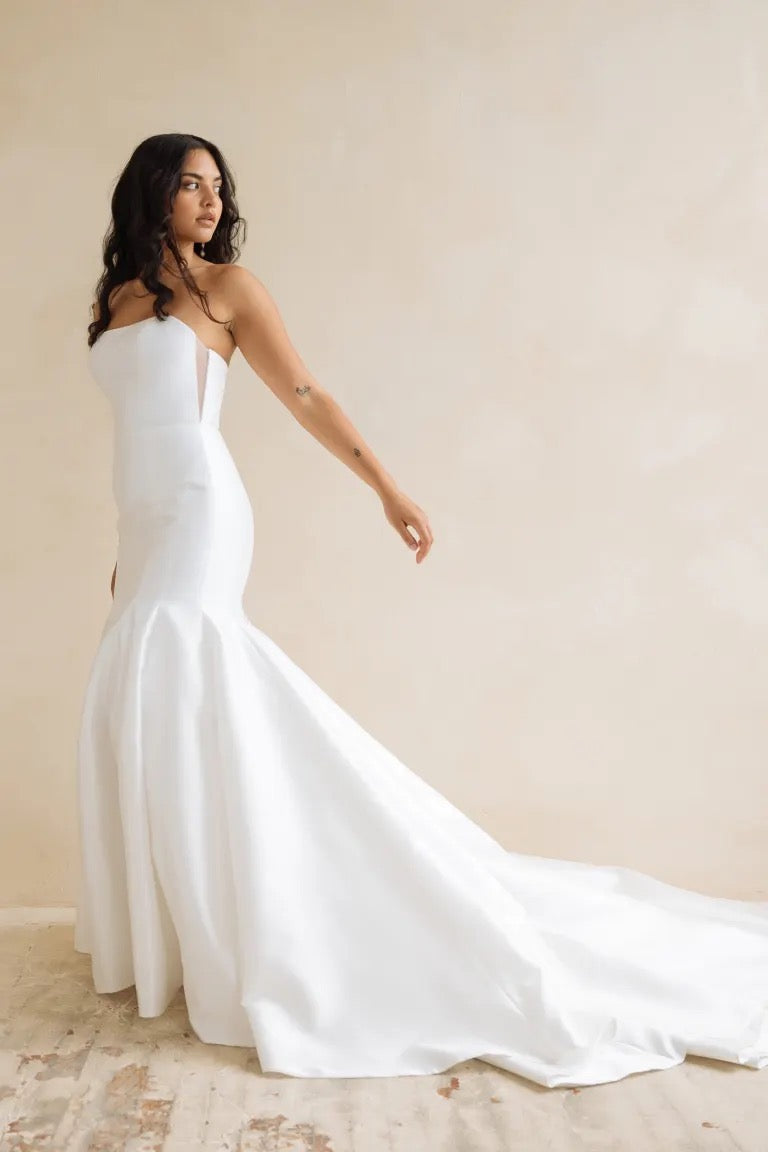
point(243, 836)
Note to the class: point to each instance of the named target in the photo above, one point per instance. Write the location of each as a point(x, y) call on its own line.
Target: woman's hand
point(402, 513)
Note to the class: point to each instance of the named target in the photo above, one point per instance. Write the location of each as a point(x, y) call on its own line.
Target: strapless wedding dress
point(241, 835)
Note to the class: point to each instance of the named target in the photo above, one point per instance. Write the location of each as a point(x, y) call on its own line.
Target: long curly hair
point(142, 203)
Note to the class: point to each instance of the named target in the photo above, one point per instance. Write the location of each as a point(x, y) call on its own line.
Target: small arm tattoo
point(303, 391)
point(357, 452)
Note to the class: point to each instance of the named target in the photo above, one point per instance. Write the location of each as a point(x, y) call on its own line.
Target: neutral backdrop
point(525, 245)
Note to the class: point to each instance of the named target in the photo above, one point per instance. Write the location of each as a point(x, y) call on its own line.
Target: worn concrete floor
point(81, 1072)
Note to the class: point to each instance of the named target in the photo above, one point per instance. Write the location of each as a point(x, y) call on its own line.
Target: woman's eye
point(193, 183)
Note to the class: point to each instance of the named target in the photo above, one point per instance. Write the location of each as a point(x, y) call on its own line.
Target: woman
point(243, 836)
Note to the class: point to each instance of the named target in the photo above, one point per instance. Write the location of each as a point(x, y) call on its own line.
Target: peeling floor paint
point(82, 1072)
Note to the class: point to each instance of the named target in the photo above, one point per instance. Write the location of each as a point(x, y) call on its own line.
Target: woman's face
point(198, 197)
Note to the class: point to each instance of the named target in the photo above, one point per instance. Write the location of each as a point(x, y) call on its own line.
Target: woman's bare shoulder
point(127, 289)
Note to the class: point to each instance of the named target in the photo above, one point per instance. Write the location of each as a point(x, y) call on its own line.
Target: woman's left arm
point(258, 330)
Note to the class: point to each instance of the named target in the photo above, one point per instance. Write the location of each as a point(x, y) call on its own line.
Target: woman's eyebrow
point(199, 177)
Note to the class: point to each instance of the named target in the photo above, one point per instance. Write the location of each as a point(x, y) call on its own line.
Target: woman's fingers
point(421, 524)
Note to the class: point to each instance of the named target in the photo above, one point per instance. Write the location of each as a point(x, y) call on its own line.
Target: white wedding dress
point(243, 836)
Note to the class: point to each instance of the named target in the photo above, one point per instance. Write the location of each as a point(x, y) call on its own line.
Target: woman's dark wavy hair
point(142, 203)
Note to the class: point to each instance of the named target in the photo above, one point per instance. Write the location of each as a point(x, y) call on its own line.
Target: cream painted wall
point(524, 244)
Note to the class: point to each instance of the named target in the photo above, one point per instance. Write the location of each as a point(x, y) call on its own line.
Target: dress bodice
point(158, 372)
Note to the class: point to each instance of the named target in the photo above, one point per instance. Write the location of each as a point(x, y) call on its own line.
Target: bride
point(242, 836)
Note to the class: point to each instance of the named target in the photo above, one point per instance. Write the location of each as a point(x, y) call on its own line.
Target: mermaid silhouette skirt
point(243, 837)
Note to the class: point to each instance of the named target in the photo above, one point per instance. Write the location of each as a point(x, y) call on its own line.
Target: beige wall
point(524, 244)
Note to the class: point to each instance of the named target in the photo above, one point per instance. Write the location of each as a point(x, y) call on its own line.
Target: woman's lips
point(205, 220)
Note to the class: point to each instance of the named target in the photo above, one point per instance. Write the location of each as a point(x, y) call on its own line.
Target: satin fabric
point(242, 835)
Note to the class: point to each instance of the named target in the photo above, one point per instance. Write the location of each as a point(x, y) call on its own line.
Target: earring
point(202, 249)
